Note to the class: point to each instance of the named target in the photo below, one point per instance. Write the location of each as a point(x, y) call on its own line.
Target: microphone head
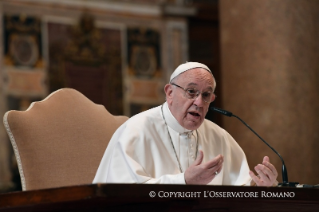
point(224, 112)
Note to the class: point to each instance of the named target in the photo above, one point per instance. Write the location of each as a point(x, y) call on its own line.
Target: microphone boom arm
point(284, 169)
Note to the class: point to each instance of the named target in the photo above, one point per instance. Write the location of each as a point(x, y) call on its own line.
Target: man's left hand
point(267, 173)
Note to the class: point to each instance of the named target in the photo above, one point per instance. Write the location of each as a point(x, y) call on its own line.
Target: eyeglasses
point(192, 93)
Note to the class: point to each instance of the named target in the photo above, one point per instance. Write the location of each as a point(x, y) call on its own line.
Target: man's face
point(190, 113)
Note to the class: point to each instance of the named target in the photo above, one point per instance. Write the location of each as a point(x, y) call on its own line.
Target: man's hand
point(203, 173)
point(267, 173)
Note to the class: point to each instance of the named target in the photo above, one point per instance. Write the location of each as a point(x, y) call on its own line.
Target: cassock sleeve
point(237, 166)
point(131, 157)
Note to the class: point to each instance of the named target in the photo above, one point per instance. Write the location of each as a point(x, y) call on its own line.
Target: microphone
point(285, 182)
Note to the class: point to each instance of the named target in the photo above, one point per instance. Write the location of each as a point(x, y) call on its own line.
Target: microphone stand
point(285, 182)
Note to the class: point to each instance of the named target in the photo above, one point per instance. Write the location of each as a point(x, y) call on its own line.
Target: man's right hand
point(203, 173)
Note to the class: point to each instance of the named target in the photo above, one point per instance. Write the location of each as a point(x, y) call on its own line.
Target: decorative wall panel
point(145, 82)
point(87, 59)
point(24, 73)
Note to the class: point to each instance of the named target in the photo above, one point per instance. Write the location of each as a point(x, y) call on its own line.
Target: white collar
point(171, 120)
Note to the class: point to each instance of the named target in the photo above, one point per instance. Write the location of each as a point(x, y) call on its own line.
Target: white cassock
point(141, 151)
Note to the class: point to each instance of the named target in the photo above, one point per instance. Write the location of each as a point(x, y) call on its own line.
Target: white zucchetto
point(187, 66)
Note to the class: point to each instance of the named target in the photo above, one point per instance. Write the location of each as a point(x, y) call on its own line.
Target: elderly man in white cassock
point(174, 143)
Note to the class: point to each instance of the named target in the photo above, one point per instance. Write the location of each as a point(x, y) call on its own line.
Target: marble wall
point(270, 78)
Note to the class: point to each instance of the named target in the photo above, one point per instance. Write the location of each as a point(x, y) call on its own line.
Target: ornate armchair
point(60, 140)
